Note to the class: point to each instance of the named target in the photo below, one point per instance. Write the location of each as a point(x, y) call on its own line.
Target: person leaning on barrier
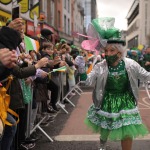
point(20, 71)
point(80, 62)
point(9, 40)
point(8, 61)
point(54, 62)
point(46, 37)
point(70, 78)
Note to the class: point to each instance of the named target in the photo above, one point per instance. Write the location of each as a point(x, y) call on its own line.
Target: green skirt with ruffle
point(117, 119)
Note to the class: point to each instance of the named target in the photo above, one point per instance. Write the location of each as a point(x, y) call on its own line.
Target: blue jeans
point(9, 134)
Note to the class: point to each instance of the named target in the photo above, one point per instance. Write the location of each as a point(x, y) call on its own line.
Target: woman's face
point(112, 55)
point(33, 55)
point(83, 53)
point(148, 51)
point(49, 50)
point(63, 50)
point(111, 50)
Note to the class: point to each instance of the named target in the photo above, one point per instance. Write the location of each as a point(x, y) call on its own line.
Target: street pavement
point(70, 133)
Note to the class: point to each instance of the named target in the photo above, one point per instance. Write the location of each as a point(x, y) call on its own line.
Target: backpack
point(4, 107)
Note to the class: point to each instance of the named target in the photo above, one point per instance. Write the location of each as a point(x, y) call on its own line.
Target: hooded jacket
point(9, 38)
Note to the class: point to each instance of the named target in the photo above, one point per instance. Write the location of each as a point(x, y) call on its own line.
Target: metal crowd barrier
point(147, 90)
point(38, 126)
point(76, 89)
point(29, 131)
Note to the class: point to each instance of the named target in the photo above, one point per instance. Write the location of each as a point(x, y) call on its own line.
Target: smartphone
point(15, 12)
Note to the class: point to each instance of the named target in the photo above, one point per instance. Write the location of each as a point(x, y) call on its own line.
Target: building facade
point(90, 11)
point(138, 31)
point(77, 21)
point(62, 17)
point(29, 13)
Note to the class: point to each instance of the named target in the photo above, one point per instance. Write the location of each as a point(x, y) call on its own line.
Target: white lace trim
point(116, 124)
point(116, 115)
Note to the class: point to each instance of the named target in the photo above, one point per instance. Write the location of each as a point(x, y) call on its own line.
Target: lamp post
point(35, 23)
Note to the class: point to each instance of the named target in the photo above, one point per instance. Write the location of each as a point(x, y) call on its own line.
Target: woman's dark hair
point(46, 45)
point(64, 46)
point(35, 38)
point(74, 56)
point(74, 51)
point(32, 51)
point(46, 32)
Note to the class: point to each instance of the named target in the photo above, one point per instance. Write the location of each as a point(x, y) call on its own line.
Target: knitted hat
point(9, 38)
point(46, 32)
point(63, 41)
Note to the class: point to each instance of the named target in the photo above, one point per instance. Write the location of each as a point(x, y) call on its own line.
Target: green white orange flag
point(31, 44)
point(61, 69)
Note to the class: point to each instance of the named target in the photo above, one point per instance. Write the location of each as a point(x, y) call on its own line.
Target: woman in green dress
point(114, 112)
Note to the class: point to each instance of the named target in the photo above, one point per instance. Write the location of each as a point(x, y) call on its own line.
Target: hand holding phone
point(15, 12)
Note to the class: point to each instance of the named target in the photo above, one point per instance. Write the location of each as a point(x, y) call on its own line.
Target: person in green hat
point(63, 41)
point(134, 54)
point(114, 112)
point(146, 59)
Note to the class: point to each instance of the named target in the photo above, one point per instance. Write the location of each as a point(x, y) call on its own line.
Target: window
point(69, 26)
point(72, 26)
point(68, 5)
point(31, 4)
point(133, 42)
point(52, 14)
point(146, 9)
point(65, 4)
point(65, 23)
point(43, 5)
point(59, 21)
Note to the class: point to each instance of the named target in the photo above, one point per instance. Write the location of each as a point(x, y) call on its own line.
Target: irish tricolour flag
point(61, 69)
point(31, 44)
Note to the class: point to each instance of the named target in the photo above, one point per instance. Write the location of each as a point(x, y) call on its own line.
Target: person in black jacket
point(7, 62)
point(9, 40)
point(47, 52)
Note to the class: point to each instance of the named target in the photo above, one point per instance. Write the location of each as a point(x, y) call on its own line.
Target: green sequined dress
point(118, 117)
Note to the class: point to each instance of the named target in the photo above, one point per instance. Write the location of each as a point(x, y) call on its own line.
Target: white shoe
point(72, 94)
point(102, 148)
point(60, 105)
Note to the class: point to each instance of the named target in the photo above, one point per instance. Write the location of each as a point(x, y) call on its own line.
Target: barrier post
point(29, 111)
point(62, 93)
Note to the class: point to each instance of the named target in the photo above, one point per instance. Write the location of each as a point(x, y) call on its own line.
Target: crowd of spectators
point(34, 81)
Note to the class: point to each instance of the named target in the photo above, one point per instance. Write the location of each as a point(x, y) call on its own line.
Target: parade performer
point(114, 112)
